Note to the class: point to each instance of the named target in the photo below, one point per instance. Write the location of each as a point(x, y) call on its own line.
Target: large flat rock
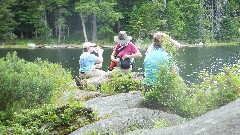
point(222, 121)
point(124, 112)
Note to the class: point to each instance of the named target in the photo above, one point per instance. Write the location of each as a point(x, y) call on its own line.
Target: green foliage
point(161, 124)
point(89, 87)
point(216, 91)
point(27, 84)
point(168, 46)
point(104, 31)
point(229, 23)
point(174, 17)
point(168, 91)
point(119, 83)
point(105, 14)
point(75, 38)
point(23, 41)
point(191, 29)
point(49, 120)
point(192, 21)
point(7, 23)
point(142, 18)
point(171, 93)
point(222, 88)
point(166, 123)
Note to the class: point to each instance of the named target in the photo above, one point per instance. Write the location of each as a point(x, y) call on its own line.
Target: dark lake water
point(191, 61)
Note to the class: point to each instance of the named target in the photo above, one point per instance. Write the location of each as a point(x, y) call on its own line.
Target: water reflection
point(191, 61)
point(195, 61)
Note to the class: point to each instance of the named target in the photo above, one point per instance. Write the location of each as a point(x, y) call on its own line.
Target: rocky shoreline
point(72, 46)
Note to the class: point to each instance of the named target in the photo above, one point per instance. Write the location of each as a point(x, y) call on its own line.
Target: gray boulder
point(122, 113)
point(222, 121)
point(125, 114)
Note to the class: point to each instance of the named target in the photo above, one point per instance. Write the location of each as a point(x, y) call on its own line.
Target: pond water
point(191, 61)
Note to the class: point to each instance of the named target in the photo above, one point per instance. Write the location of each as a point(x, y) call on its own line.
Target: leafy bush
point(216, 91)
point(171, 94)
point(220, 89)
point(26, 84)
point(49, 120)
point(169, 90)
point(120, 82)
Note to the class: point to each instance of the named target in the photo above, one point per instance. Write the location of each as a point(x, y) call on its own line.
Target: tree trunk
point(119, 25)
point(45, 18)
point(165, 3)
point(22, 36)
point(59, 34)
point(68, 32)
point(84, 27)
point(56, 29)
point(36, 34)
point(94, 33)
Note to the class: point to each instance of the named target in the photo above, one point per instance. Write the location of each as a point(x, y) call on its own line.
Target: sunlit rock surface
point(222, 121)
point(122, 113)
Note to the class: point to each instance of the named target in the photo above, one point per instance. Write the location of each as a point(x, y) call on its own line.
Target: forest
point(68, 21)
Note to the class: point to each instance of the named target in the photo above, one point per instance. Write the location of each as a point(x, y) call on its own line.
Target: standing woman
point(156, 55)
point(124, 52)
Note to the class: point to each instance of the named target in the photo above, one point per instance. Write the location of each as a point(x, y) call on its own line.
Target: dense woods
point(192, 21)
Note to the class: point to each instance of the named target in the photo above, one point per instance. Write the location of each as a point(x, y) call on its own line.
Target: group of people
point(122, 58)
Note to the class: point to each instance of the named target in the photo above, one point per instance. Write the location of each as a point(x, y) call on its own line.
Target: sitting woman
point(124, 52)
point(90, 62)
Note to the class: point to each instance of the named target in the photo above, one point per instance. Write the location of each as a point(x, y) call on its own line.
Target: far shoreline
point(141, 47)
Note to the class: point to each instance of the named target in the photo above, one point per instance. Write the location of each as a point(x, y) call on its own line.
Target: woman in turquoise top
point(151, 64)
point(155, 57)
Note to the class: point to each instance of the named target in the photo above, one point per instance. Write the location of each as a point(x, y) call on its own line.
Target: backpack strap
point(120, 48)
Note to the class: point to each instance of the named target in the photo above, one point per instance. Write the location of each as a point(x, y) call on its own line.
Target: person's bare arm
point(135, 55)
point(113, 57)
point(100, 58)
point(175, 43)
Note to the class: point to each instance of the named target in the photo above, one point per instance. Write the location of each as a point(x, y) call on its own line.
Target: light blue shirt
point(87, 62)
point(151, 64)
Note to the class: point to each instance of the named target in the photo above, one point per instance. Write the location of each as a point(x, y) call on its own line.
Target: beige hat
point(122, 37)
point(88, 44)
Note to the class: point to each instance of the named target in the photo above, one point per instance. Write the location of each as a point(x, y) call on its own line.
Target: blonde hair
point(157, 40)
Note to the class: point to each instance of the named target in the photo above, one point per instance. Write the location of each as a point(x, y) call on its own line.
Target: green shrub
point(49, 120)
point(222, 88)
point(168, 92)
point(216, 91)
point(171, 94)
point(119, 83)
point(27, 84)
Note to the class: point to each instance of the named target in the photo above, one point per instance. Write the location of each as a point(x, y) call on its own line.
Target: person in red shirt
point(124, 52)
